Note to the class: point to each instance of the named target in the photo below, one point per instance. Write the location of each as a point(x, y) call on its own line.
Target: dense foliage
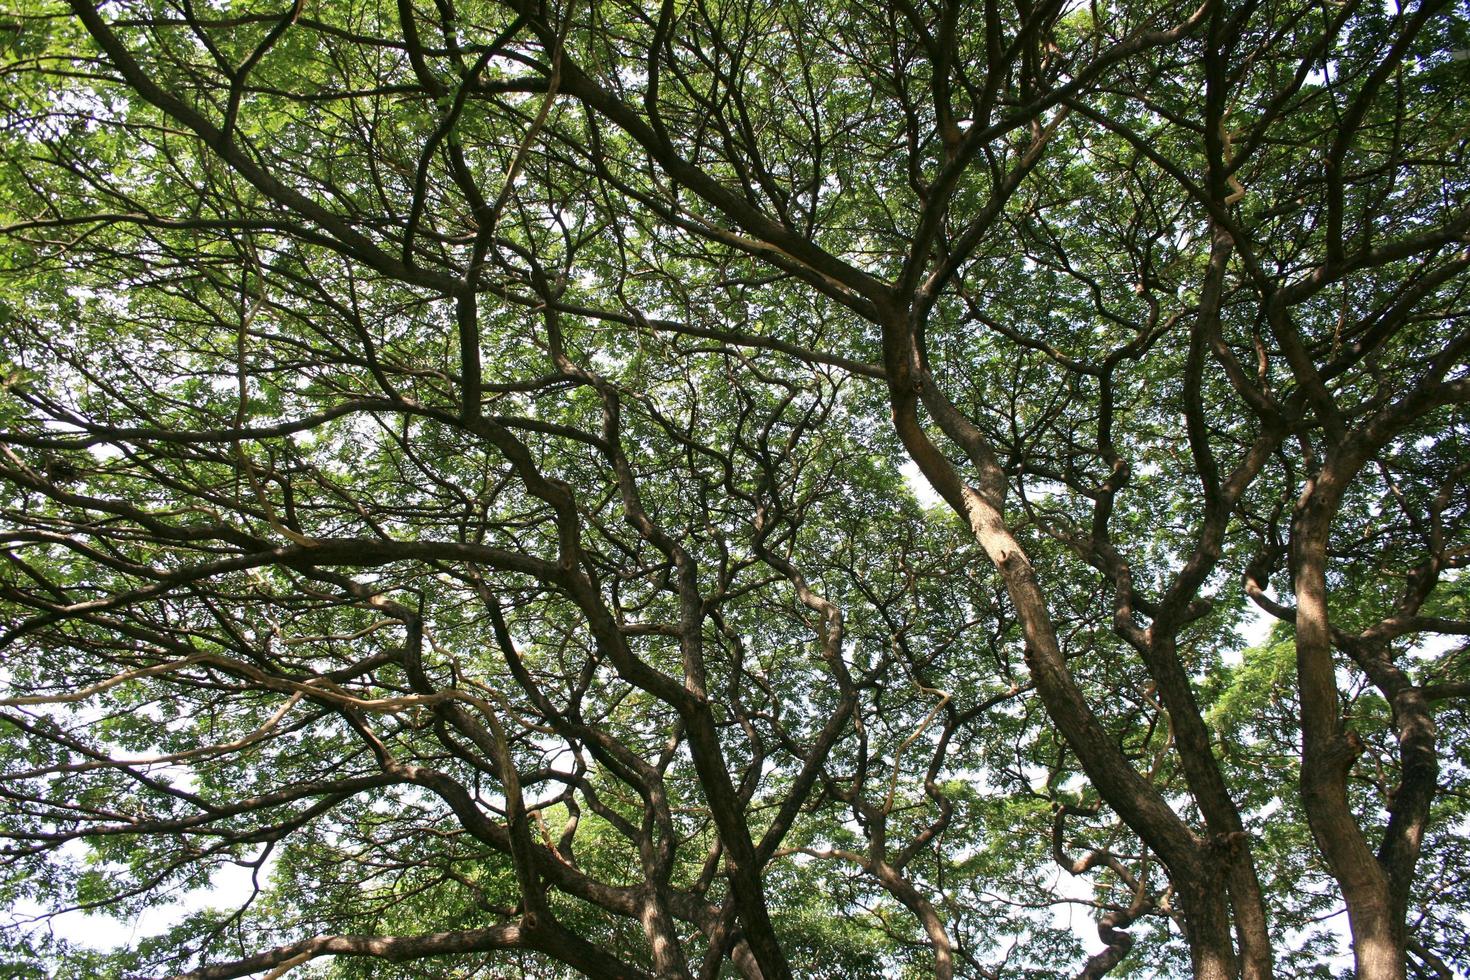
point(458, 462)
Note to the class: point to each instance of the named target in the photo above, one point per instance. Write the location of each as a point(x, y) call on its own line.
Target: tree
point(453, 467)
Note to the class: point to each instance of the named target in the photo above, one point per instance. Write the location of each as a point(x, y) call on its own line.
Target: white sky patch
point(1254, 629)
point(230, 887)
point(919, 484)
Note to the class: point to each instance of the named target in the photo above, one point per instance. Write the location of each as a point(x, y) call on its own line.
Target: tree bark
point(1329, 750)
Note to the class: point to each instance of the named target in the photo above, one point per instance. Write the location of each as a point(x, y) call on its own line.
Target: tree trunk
point(1328, 749)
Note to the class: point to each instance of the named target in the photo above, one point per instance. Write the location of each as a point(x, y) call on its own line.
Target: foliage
point(458, 464)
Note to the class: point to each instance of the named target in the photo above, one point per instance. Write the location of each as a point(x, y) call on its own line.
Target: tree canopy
point(458, 462)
